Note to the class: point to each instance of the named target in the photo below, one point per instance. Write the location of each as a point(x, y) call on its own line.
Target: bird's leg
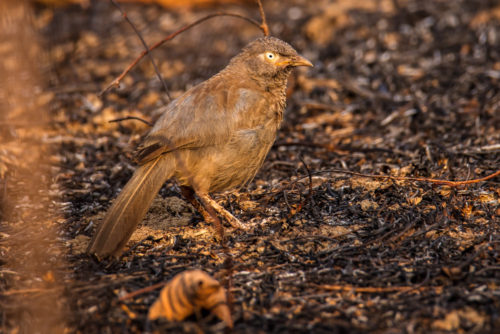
point(188, 194)
point(207, 201)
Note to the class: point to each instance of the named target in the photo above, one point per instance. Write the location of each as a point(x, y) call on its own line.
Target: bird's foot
point(232, 220)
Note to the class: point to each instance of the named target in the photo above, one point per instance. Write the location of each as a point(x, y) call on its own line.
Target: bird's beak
point(295, 61)
point(300, 61)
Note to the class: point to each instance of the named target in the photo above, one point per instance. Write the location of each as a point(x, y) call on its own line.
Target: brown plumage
point(212, 138)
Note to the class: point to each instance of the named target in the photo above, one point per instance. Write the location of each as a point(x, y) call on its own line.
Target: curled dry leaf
point(189, 292)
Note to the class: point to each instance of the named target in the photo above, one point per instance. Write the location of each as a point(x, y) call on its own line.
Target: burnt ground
point(401, 88)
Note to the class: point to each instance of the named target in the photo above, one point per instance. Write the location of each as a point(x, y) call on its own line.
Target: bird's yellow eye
point(270, 56)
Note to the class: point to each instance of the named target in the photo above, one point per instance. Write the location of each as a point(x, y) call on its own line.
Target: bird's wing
point(205, 115)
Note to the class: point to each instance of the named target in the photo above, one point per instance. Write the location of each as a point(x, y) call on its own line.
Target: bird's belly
point(229, 165)
point(241, 158)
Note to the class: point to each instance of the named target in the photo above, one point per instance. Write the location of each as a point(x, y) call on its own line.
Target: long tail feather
point(130, 207)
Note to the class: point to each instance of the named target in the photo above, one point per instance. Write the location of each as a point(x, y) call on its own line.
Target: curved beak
point(295, 61)
point(300, 61)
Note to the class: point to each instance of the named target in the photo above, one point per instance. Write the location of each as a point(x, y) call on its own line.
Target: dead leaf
point(484, 16)
point(414, 200)
point(449, 323)
point(369, 184)
point(368, 205)
point(130, 314)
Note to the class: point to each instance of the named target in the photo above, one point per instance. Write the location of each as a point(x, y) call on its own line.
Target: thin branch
point(420, 179)
point(30, 290)
point(376, 289)
point(125, 16)
point(387, 177)
point(328, 147)
point(141, 291)
point(117, 81)
point(131, 117)
point(309, 195)
point(263, 26)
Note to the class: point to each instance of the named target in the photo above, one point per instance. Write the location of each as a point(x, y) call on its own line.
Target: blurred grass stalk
point(32, 296)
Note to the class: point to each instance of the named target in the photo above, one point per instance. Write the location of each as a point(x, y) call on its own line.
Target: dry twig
point(118, 79)
point(129, 118)
point(125, 16)
point(309, 198)
point(377, 289)
point(263, 25)
point(141, 291)
point(419, 179)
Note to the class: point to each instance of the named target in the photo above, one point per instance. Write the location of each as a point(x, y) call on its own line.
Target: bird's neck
point(268, 83)
point(276, 87)
point(274, 84)
point(273, 88)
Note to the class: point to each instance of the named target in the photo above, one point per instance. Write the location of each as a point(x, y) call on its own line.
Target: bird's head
point(269, 57)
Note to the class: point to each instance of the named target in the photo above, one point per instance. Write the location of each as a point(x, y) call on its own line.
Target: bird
point(212, 138)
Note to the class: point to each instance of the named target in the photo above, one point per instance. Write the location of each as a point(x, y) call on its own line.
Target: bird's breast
point(252, 108)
